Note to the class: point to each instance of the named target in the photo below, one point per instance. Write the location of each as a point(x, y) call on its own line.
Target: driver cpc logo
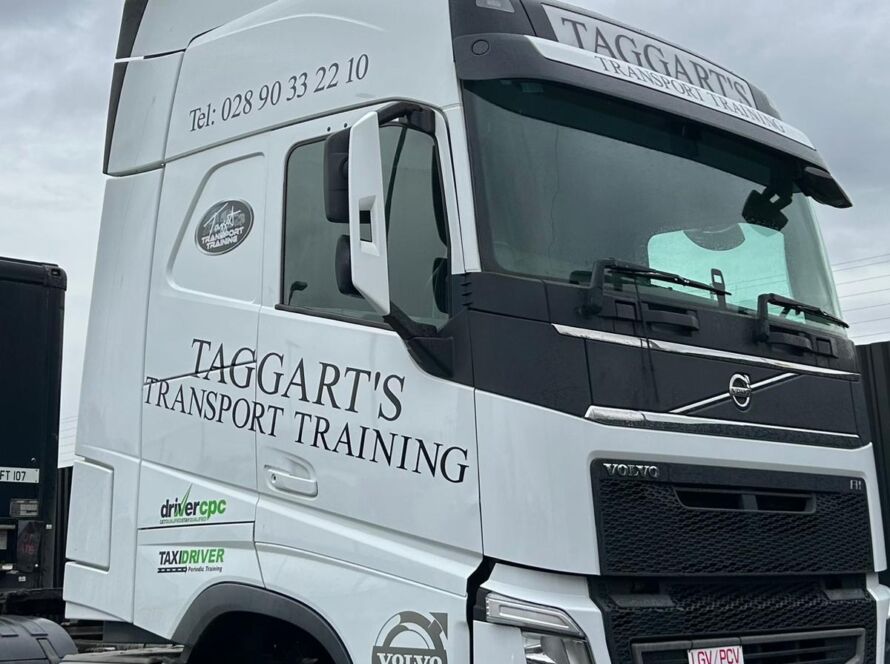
point(183, 510)
point(412, 638)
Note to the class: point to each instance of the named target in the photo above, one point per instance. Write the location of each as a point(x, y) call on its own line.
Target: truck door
point(197, 490)
point(371, 458)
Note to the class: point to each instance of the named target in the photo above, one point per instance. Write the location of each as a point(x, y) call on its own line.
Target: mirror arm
point(407, 328)
point(434, 354)
point(417, 117)
point(432, 351)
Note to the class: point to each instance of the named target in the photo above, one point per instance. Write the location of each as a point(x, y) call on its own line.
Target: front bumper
point(637, 626)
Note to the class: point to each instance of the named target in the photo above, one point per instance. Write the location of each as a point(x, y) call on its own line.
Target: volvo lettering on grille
point(632, 470)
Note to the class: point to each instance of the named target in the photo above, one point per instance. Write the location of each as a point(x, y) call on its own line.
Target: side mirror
point(354, 194)
point(343, 267)
point(367, 203)
point(336, 177)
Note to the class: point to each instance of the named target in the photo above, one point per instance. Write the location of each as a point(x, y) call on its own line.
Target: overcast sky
point(822, 62)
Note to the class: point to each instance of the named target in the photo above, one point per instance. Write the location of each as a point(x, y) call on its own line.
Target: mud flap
point(33, 640)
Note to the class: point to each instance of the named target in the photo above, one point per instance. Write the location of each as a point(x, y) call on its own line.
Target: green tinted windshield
point(565, 177)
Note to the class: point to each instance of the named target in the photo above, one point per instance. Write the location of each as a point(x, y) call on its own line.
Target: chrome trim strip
point(672, 347)
point(728, 428)
point(597, 335)
point(726, 395)
point(698, 351)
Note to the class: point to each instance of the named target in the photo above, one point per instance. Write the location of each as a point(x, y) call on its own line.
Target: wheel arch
point(227, 598)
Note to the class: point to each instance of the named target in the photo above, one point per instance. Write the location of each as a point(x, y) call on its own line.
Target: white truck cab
point(464, 330)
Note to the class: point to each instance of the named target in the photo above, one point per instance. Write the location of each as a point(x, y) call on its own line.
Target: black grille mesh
point(687, 610)
point(644, 530)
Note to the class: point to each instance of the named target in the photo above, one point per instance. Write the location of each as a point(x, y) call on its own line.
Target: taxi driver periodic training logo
point(412, 638)
point(191, 561)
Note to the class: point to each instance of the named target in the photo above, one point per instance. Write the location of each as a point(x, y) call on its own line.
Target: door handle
point(287, 483)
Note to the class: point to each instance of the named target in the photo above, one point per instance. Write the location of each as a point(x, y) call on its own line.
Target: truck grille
point(709, 521)
point(833, 647)
point(639, 614)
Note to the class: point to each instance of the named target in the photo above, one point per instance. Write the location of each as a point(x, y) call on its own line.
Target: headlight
point(549, 635)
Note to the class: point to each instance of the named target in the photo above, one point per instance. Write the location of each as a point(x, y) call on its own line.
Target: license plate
point(719, 655)
point(19, 475)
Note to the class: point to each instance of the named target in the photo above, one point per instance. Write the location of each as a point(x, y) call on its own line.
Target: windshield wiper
point(593, 303)
point(799, 342)
point(789, 305)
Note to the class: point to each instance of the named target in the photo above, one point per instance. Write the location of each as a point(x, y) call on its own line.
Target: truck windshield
point(566, 177)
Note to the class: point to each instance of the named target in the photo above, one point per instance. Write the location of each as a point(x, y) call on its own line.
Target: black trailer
point(32, 307)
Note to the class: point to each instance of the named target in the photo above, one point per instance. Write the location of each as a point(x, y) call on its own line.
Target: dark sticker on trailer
point(412, 638)
point(224, 227)
point(24, 508)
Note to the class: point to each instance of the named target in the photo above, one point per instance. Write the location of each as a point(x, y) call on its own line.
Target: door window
point(416, 231)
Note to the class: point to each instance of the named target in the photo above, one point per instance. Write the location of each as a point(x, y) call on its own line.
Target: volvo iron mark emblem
point(410, 637)
point(740, 390)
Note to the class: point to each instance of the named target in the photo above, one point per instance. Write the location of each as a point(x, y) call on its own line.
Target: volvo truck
point(465, 330)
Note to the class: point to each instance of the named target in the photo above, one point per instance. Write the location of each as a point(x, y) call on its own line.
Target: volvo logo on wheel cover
point(740, 390)
point(412, 638)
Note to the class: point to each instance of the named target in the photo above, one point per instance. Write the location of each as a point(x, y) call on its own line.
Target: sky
point(822, 63)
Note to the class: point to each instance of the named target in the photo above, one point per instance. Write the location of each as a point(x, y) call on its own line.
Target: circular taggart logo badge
point(412, 638)
point(225, 226)
point(740, 390)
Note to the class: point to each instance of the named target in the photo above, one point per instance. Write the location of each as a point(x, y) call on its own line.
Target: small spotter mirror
point(819, 185)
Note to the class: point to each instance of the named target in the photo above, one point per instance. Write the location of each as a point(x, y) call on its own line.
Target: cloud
point(36, 14)
point(55, 70)
point(819, 65)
